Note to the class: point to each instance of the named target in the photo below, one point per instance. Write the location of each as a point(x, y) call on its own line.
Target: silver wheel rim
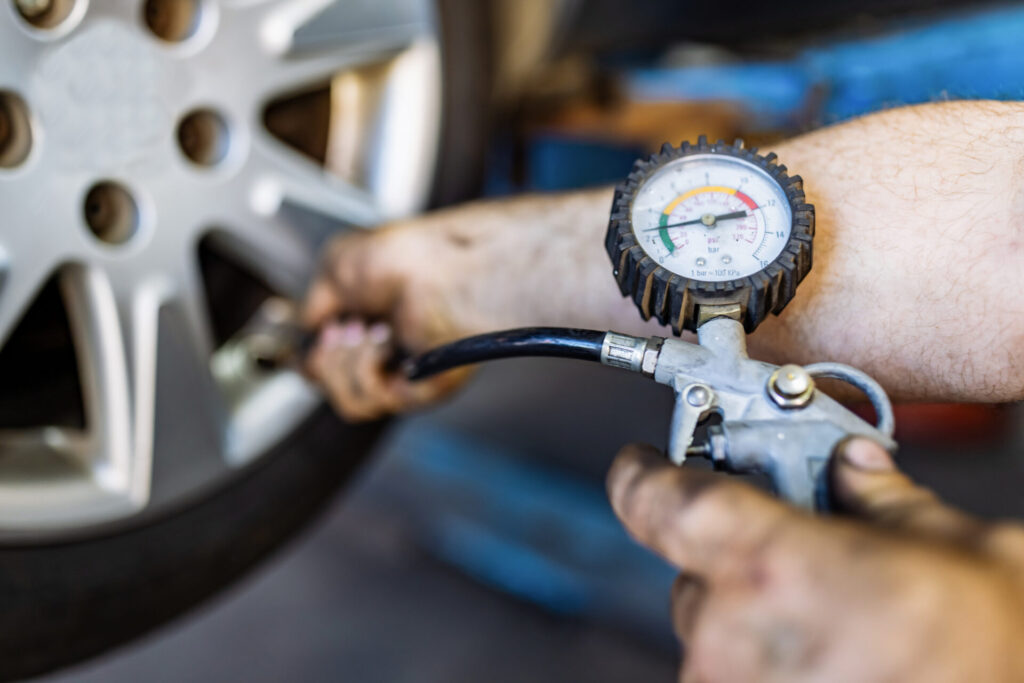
point(102, 98)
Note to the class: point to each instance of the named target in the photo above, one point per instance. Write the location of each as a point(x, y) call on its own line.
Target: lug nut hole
point(204, 137)
point(111, 213)
point(45, 14)
point(172, 20)
point(15, 130)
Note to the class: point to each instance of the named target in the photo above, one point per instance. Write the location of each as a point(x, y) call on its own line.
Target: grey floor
point(354, 601)
point(359, 599)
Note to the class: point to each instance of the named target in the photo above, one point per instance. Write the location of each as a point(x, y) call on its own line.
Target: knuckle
point(348, 273)
point(709, 501)
point(352, 410)
point(1006, 538)
point(688, 593)
point(390, 404)
point(685, 587)
point(744, 536)
point(351, 260)
point(344, 407)
point(668, 500)
point(641, 495)
point(901, 502)
point(341, 393)
point(365, 363)
point(635, 471)
point(336, 252)
point(704, 654)
point(406, 397)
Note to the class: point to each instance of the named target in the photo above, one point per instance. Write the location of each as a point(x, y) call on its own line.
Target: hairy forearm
point(918, 271)
point(919, 253)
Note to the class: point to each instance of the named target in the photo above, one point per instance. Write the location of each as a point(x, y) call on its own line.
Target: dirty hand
point(413, 285)
point(380, 294)
point(904, 589)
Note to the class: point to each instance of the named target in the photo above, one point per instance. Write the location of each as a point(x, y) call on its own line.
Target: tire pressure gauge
point(709, 230)
point(711, 238)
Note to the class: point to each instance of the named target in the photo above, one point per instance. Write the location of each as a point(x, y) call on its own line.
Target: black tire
point(65, 601)
point(466, 101)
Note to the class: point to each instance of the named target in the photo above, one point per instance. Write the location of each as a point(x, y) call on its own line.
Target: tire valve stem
point(699, 451)
point(270, 340)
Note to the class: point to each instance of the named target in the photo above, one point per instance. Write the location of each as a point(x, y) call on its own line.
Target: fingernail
point(627, 469)
point(620, 480)
point(331, 335)
point(353, 334)
point(865, 454)
point(337, 335)
point(379, 333)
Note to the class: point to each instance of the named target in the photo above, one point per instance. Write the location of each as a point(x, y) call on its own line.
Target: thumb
point(866, 483)
point(357, 277)
point(704, 523)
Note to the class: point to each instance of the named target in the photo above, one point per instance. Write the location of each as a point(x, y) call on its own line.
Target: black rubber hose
point(561, 342)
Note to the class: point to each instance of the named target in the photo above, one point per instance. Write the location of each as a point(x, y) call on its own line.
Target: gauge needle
point(713, 220)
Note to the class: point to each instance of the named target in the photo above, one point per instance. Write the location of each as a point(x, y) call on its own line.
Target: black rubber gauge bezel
point(675, 300)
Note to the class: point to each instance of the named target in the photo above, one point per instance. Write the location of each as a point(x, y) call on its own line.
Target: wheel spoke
point(309, 41)
point(403, 111)
point(115, 336)
point(339, 22)
point(281, 175)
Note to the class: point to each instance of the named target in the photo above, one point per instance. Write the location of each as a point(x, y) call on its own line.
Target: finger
point(387, 391)
point(742, 638)
point(359, 273)
point(365, 271)
point(370, 366)
point(335, 361)
point(421, 393)
point(866, 482)
point(699, 521)
point(688, 593)
point(352, 363)
point(322, 303)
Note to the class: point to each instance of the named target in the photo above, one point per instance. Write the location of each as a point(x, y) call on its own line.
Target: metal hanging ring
point(886, 422)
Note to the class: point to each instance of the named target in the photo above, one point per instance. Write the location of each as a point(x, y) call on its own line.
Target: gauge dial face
point(712, 218)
